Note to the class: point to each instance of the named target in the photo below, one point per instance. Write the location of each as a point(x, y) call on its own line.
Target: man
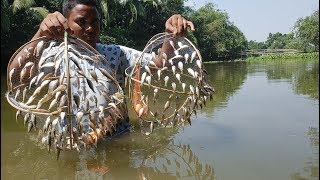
point(81, 19)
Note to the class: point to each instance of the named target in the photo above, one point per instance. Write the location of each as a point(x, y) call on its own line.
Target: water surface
point(262, 124)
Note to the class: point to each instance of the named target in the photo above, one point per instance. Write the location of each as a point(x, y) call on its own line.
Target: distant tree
point(217, 37)
point(256, 45)
point(307, 32)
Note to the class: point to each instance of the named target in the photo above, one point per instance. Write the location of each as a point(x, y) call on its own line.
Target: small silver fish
point(63, 100)
point(164, 55)
point(166, 79)
point(24, 93)
point(33, 81)
point(166, 106)
point(61, 87)
point(52, 104)
point(170, 61)
point(11, 74)
point(193, 55)
point(62, 116)
point(57, 95)
point(45, 98)
point(57, 65)
point(151, 126)
point(19, 60)
point(141, 112)
point(159, 74)
point(180, 66)
point(48, 65)
point(105, 73)
point(46, 124)
point(26, 118)
point(90, 84)
point(164, 62)
point(53, 85)
point(18, 113)
point(31, 98)
point(32, 71)
point(23, 74)
point(191, 72)
point(186, 57)
point(172, 44)
point(147, 69)
point(173, 84)
point(148, 79)
point(39, 77)
point(152, 63)
point(191, 89)
point(183, 87)
point(28, 64)
point(143, 76)
point(155, 93)
point(39, 48)
point(17, 93)
point(39, 89)
point(93, 75)
point(173, 67)
point(197, 91)
point(199, 64)
point(76, 99)
point(178, 77)
point(61, 78)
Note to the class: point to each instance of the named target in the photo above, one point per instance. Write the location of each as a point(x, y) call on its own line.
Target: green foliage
point(304, 37)
point(311, 55)
point(5, 16)
point(132, 23)
point(22, 4)
point(307, 32)
point(217, 37)
point(256, 45)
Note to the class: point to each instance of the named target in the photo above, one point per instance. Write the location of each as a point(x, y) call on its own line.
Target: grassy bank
point(283, 56)
point(312, 55)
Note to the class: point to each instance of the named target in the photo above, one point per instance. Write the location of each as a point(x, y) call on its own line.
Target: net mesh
point(168, 93)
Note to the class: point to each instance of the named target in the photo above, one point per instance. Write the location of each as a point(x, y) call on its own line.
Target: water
point(262, 124)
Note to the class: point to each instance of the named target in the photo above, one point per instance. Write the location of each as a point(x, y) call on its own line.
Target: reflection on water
point(311, 169)
point(262, 124)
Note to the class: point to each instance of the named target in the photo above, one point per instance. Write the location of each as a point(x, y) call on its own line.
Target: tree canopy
point(132, 23)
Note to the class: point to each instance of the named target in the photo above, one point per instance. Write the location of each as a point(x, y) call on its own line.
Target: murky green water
point(262, 124)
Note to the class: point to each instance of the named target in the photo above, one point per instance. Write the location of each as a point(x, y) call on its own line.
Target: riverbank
point(268, 57)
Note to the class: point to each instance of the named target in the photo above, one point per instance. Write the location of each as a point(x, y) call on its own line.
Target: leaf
point(41, 10)
point(22, 4)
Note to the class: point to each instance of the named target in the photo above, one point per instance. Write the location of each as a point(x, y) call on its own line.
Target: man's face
point(84, 21)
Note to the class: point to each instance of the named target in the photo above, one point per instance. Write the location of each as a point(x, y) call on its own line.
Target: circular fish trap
point(65, 90)
point(168, 94)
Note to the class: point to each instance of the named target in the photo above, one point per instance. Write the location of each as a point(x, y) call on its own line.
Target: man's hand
point(178, 25)
point(53, 26)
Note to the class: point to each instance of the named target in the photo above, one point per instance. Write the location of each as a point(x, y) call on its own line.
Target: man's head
point(83, 19)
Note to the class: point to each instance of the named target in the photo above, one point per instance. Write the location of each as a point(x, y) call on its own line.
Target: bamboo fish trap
point(169, 94)
point(65, 90)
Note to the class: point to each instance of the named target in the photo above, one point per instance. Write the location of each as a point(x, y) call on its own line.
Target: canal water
point(262, 124)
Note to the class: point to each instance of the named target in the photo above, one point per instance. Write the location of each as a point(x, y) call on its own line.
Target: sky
point(257, 18)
